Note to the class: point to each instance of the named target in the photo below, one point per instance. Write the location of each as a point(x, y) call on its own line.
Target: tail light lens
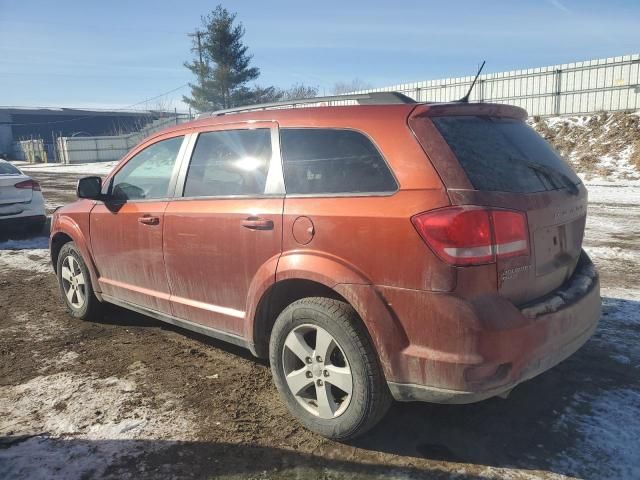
point(30, 184)
point(472, 235)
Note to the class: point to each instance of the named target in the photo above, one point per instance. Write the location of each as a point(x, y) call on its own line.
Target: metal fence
point(33, 151)
point(608, 84)
point(108, 148)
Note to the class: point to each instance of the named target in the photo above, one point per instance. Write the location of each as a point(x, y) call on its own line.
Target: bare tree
point(299, 91)
point(355, 85)
point(274, 94)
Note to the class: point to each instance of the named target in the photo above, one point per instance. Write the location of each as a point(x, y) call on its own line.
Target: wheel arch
point(67, 230)
point(275, 299)
point(58, 240)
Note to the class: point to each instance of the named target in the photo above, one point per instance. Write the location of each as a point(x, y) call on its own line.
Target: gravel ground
point(130, 397)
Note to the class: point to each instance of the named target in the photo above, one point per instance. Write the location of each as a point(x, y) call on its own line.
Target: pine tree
point(222, 65)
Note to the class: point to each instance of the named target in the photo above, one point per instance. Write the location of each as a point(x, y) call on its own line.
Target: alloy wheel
point(317, 371)
point(73, 282)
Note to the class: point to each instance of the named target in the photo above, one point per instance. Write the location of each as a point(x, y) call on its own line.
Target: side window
point(229, 162)
point(147, 174)
point(325, 161)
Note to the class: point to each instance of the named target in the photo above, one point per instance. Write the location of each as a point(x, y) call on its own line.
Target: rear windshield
point(504, 154)
point(8, 169)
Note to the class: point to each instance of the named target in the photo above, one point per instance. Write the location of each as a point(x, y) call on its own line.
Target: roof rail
point(373, 98)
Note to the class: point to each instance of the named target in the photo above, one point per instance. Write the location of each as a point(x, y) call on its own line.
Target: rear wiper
point(552, 174)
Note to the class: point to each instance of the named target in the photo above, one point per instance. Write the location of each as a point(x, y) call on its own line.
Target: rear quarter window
point(330, 161)
point(504, 154)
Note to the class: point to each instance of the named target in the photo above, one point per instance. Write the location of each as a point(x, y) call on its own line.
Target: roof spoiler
point(460, 108)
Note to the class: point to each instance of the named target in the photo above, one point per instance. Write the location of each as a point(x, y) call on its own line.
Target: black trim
point(178, 322)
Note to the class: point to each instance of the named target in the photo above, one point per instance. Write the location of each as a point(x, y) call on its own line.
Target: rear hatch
point(488, 156)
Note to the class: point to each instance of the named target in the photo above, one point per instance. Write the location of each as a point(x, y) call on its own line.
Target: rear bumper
point(492, 346)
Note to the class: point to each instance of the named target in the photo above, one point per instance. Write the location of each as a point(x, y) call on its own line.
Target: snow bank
point(606, 145)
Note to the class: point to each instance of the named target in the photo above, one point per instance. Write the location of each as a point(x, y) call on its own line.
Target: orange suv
point(378, 250)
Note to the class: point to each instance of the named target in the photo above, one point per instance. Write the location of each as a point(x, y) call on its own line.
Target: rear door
point(126, 231)
point(508, 165)
point(225, 230)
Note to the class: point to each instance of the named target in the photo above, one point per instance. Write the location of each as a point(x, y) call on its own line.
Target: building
point(47, 124)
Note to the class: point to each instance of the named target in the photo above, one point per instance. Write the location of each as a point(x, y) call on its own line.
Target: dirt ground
point(129, 397)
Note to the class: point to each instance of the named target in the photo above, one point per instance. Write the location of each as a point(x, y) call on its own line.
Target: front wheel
point(326, 368)
point(75, 283)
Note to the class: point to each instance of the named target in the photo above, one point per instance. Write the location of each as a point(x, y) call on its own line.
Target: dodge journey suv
point(377, 250)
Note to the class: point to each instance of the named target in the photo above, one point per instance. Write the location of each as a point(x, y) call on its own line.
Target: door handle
point(149, 220)
point(257, 223)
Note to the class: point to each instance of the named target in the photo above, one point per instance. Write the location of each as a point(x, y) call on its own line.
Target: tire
point(299, 328)
point(83, 304)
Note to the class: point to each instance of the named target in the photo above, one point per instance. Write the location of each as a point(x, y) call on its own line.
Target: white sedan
point(21, 200)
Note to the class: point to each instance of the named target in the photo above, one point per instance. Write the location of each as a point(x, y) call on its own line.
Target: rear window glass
point(8, 169)
point(328, 161)
point(503, 154)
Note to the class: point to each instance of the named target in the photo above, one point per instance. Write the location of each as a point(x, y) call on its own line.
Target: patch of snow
point(23, 325)
point(33, 260)
point(62, 361)
point(606, 427)
point(608, 191)
point(612, 253)
point(51, 205)
point(83, 425)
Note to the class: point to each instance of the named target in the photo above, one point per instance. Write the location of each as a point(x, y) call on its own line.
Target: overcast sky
point(117, 53)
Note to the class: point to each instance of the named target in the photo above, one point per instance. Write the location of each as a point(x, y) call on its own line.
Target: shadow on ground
point(43, 457)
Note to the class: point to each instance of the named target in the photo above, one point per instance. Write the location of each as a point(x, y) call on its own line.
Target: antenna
point(465, 99)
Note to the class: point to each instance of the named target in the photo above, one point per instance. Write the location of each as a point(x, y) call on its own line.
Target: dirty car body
point(452, 231)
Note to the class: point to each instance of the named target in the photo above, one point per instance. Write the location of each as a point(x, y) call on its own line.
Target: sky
point(116, 54)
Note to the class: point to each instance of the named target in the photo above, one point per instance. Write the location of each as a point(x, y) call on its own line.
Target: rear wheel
point(75, 283)
point(326, 369)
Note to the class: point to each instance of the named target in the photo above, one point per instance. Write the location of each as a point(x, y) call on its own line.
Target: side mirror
point(90, 187)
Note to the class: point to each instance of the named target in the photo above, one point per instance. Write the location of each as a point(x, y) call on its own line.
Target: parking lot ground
point(129, 397)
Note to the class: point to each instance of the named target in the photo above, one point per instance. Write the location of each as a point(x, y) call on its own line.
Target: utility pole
point(198, 35)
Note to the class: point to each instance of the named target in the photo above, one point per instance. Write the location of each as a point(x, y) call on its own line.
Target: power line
point(157, 96)
point(85, 117)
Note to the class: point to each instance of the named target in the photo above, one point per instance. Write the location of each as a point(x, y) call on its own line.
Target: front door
point(226, 229)
point(127, 230)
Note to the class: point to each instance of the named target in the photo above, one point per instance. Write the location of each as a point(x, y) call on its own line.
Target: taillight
point(470, 235)
point(31, 184)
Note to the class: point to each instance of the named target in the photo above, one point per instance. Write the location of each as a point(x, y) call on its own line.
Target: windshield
point(505, 154)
